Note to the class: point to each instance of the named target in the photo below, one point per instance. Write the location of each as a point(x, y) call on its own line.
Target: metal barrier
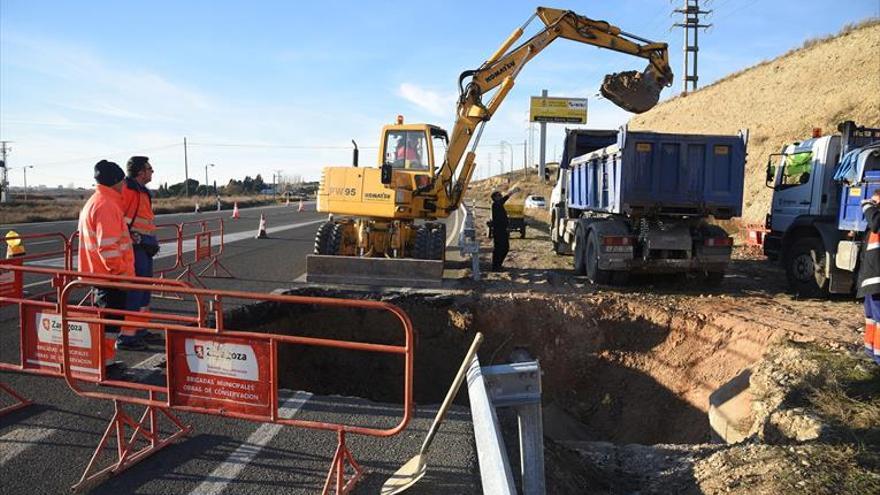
point(61, 251)
point(40, 328)
point(238, 361)
point(207, 239)
point(169, 236)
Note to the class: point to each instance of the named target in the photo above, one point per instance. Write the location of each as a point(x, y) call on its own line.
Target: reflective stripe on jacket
point(869, 268)
point(137, 206)
point(104, 243)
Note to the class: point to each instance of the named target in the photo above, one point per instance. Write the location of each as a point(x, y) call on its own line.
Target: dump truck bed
point(665, 174)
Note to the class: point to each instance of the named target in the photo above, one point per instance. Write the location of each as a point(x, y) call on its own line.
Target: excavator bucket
point(633, 91)
point(386, 272)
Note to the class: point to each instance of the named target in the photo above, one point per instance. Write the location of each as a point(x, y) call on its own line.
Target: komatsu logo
point(377, 196)
point(501, 70)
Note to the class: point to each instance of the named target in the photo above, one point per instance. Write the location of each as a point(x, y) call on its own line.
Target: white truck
point(815, 223)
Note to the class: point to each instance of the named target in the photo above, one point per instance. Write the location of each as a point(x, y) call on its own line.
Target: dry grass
point(45, 209)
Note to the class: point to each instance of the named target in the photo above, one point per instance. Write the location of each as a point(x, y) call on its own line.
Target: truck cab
point(805, 227)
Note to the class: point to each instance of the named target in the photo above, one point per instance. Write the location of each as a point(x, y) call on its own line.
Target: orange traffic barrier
point(189, 352)
point(206, 237)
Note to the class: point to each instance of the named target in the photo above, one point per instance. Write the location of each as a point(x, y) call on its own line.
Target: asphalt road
point(45, 447)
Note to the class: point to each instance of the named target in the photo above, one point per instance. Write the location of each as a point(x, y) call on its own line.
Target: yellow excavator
point(382, 226)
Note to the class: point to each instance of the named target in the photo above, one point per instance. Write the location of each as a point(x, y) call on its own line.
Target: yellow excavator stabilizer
point(380, 272)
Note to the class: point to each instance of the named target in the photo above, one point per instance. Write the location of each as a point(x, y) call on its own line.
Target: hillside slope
point(780, 101)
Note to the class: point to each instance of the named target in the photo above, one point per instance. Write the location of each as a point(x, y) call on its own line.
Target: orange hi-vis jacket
point(137, 208)
point(104, 243)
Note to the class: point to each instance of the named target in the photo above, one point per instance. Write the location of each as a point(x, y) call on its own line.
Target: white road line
point(20, 439)
point(220, 477)
point(168, 249)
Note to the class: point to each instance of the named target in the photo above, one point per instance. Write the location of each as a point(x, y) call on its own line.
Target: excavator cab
point(416, 147)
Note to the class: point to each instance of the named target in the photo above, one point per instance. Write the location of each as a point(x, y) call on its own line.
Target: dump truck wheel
point(580, 267)
point(522, 232)
point(594, 273)
point(422, 244)
point(322, 236)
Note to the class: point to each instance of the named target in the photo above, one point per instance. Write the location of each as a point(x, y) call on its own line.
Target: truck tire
point(594, 273)
point(805, 268)
point(580, 255)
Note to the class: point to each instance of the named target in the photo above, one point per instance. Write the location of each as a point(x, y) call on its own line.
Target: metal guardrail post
point(468, 243)
point(492, 456)
point(518, 385)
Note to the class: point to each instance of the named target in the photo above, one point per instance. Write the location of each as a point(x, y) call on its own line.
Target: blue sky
point(263, 86)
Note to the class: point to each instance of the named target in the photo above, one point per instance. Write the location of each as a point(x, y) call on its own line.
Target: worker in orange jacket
point(104, 243)
point(137, 208)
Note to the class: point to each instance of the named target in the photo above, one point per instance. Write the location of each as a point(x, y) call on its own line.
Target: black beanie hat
point(108, 173)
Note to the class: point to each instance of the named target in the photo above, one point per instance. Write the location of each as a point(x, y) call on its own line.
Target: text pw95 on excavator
point(383, 228)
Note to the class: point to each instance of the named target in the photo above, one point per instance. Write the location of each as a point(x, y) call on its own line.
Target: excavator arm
point(632, 91)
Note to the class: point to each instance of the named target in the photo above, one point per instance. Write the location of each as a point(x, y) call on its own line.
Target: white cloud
point(433, 102)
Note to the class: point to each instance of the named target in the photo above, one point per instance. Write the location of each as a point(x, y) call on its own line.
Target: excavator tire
point(334, 240)
point(438, 243)
point(422, 244)
point(322, 236)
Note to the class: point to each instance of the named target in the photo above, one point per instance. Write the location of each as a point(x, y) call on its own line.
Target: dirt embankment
point(782, 100)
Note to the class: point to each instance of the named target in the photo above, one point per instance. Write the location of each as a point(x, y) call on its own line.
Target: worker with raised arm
point(500, 235)
point(104, 242)
point(137, 206)
point(869, 276)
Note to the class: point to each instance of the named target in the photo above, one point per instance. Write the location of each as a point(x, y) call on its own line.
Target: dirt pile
point(782, 100)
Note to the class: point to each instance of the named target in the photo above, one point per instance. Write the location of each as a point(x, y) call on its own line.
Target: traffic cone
point(218, 204)
point(261, 234)
point(235, 213)
point(14, 245)
point(301, 208)
point(197, 207)
point(287, 203)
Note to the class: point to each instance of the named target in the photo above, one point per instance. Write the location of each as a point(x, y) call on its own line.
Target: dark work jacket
point(869, 270)
point(499, 216)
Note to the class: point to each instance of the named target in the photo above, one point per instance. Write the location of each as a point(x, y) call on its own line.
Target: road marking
point(20, 439)
point(188, 245)
point(181, 213)
point(216, 482)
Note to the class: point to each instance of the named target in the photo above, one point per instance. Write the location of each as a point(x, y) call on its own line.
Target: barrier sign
point(561, 110)
point(41, 342)
point(203, 245)
point(220, 373)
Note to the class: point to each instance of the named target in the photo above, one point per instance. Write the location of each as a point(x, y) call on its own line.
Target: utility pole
point(185, 170)
point(542, 159)
point(525, 158)
point(691, 12)
point(4, 183)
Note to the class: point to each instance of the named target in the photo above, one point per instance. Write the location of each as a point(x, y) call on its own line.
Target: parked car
point(535, 202)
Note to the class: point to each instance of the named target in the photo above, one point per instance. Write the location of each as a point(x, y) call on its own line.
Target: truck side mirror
point(386, 173)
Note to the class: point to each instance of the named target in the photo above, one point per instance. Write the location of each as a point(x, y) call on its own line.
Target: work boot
point(130, 343)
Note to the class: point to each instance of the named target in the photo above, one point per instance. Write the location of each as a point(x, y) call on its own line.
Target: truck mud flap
point(351, 270)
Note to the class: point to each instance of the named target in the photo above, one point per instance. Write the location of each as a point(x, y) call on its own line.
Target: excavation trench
point(614, 370)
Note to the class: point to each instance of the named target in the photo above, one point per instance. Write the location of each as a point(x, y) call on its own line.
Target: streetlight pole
point(206, 178)
point(24, 170)
point(511, 152)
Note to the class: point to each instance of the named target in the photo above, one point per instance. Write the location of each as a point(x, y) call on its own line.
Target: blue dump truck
point(629, 201)
point(815, 222)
